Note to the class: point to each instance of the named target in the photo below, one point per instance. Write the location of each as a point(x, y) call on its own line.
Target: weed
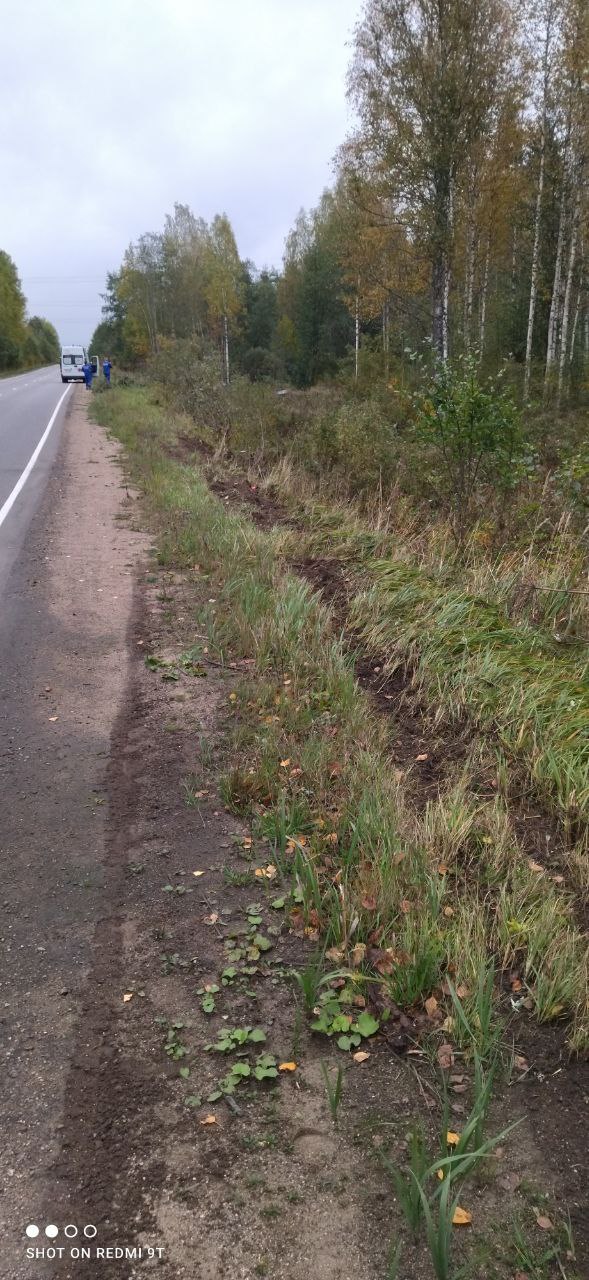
point(407, 1183)
point(239, 879)
point(173, 1045)
point(333, 1090)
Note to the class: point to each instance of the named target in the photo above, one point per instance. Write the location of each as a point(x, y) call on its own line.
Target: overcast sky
point(112, 111)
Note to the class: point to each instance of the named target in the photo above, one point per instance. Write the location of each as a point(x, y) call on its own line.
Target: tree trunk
point(439, 303)
point(226, 349)
point(538, 214)
point(469, 282)
point(441, 264)
point(386, 338)
point(556, 300)
point(357, 335)
point(535, 261)
point(484, 291)
point(568, 290)
point(575, 322)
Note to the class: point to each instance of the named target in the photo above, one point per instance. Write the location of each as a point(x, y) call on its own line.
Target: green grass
point(467, 657)
point(448, 887)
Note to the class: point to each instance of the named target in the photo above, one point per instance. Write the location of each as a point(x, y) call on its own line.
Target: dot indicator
point(90, 1231)
point(32, 1231)
point(51, 1231)
point(71, 1231)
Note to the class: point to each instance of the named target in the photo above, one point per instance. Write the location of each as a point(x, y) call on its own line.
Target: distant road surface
point(27, 405)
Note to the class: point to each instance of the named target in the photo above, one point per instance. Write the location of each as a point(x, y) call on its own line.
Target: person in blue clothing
point(88, 371)
point(106, 368)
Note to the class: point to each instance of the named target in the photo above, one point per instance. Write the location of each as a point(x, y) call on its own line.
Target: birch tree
point(425, 81)
point(224, 284)
point(547, 19)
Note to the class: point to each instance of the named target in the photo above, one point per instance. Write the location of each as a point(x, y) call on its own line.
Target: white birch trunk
point(568, 290)
point(556, 300)
point(575, 322)
point(535, 261)
point(538, 213)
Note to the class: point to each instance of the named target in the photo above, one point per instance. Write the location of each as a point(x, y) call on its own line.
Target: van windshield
point(79, 360)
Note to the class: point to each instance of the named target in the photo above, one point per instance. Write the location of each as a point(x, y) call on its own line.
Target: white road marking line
point(11, 499)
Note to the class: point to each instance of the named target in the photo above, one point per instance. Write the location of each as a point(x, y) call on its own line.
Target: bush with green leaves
point(473, 439)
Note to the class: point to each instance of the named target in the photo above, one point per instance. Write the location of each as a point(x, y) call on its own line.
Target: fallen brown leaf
point(127, 996)
point(544, 1223)
point(209, 1120)
point(445, 1056)
point(423, 756)
point(431, 1005)
point(336, 954)
point(360, 1056)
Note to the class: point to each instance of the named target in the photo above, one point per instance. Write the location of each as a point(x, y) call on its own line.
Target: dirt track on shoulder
point(64, 675)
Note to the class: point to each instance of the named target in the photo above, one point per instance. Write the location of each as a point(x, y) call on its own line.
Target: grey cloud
point(112, 112)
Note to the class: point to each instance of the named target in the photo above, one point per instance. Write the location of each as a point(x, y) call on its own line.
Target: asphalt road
point(27, 403)
point(66, 590)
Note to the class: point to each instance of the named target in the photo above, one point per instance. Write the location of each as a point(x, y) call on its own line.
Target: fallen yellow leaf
point(232, 698)
point(452, 1138)
point(287, 1066)
point(284, 764)
point(440, 1175)
point(127, 996)
point(461, 1217)
point(209, 1120)
point(266, 873)
point(198, 873)
point(431, 1005)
